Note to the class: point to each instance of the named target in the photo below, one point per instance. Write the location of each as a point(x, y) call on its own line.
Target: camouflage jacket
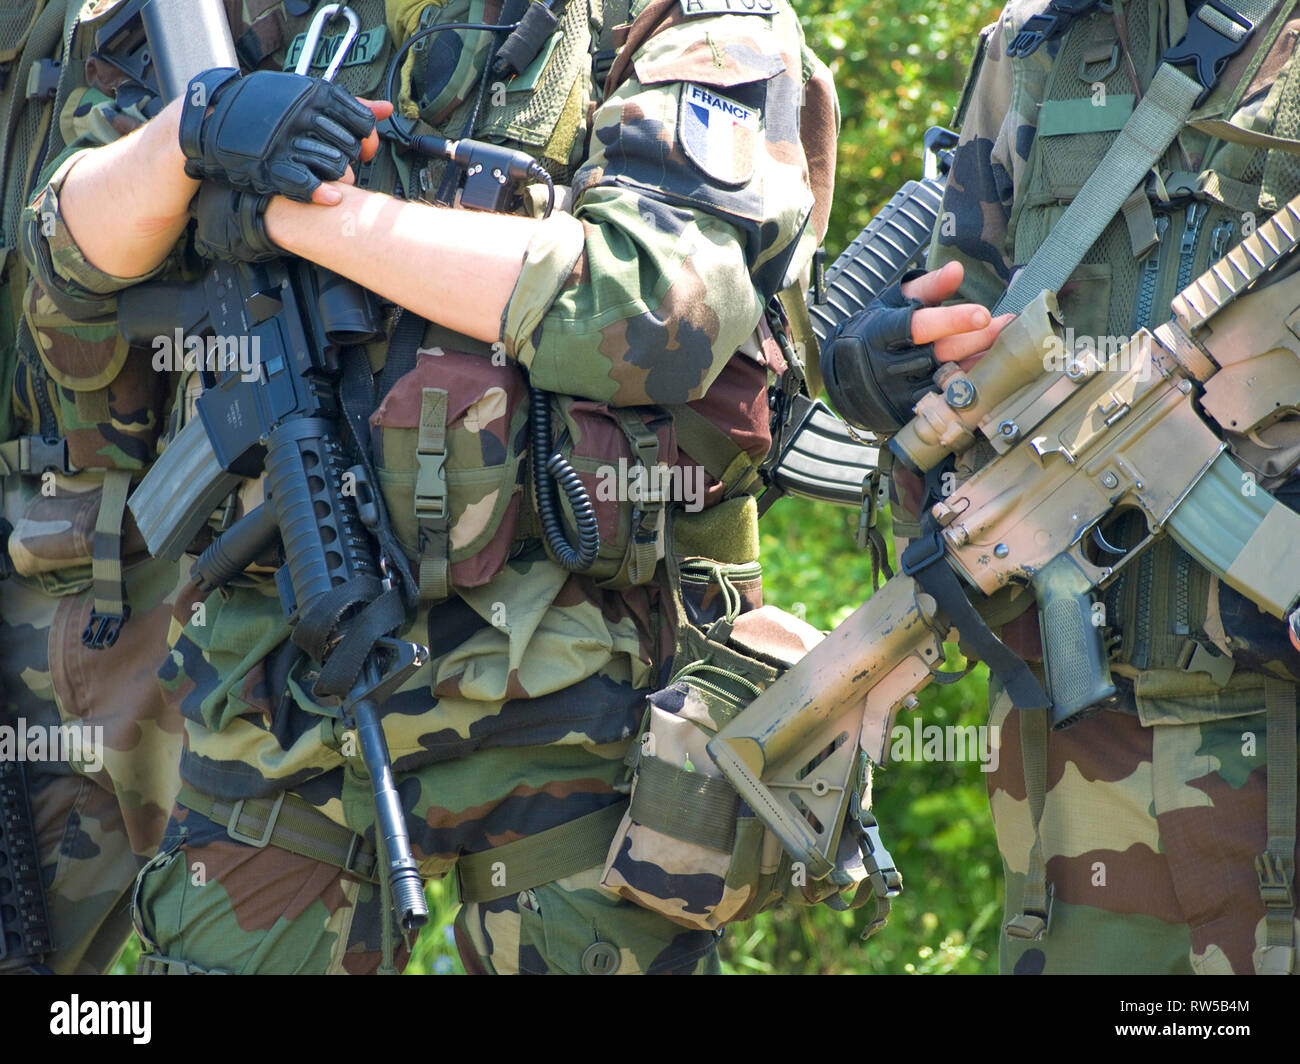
point(1031, 135)
point(691, 206)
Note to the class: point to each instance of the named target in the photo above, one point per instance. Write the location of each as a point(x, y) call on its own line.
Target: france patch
point(717, 134)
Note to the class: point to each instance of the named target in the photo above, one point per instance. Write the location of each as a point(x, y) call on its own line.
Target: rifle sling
point(924, 560)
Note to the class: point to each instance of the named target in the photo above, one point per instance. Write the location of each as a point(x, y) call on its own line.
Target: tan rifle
point(1078, 439)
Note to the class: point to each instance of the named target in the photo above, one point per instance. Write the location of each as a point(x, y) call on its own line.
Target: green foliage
point(899, 67)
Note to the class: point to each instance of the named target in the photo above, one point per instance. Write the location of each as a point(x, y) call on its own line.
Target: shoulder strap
point(1215, 33)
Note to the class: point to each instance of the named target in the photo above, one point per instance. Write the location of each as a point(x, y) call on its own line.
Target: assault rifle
point(1077, 441)
point(338, 590)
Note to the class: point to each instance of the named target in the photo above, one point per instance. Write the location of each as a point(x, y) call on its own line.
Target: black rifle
point(300, 322)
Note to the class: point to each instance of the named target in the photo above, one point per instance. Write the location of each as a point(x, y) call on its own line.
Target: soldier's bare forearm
point(126, 203)
point(454, 267)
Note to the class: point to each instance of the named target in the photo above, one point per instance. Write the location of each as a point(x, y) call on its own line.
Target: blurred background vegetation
point(899, 66)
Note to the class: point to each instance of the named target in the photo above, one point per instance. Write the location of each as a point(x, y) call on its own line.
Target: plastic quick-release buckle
point(1275, 882)
point(232, 827)
point(1032, 924)
point(1214, 34)
point(431, 486)
point(1033, 33)
point(886, 881)
point(102, 630)
point(39, 455)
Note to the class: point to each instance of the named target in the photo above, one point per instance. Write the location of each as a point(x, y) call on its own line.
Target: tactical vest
point(449, 436)
point(1210, 189)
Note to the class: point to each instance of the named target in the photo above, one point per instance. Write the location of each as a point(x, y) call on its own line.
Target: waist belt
point(289, 823)
point(542, 858)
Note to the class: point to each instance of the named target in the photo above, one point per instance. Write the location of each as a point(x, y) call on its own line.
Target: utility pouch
point(689, 848)
point(627, 460)
point(109, 397)
point(448, 443)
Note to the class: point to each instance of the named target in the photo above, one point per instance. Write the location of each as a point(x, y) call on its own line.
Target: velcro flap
point(739, 50)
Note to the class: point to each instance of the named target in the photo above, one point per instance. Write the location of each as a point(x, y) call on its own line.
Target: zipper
point(1219, 239)
point(1141, 655)
point(1187, 246)
point(1182, 593)
point(1150, 271)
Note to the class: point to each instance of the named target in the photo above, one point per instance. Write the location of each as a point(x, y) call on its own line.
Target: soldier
point(83, 616)
point(678, 127)
point(1163, 837)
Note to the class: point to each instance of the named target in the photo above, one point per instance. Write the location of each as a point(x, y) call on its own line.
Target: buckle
point(232, 828)
point(645, 524)
point(360, 863)
point(886, 881)
point(1032, 925)
point(43, 79)
point(1214, 34)
point(1275, 882)
point(103, 629)
point(909, 563)
point(1033, 33)
point(37, 454)
point(431, 485)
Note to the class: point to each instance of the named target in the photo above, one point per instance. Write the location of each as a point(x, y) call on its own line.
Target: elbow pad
point(873, 372)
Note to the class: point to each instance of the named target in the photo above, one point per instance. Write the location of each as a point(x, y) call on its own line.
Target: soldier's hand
point(960, 333)
point(272, 132)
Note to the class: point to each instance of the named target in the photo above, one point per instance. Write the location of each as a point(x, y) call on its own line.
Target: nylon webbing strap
point(1036, 901)
point(646, 533)
point(288, 823)
point(924, 560)
point(715, 451)
point(1276, 865)
point(431, 496)
point(542, 858)
point(110, 610)
point(1155, 122)
point(685, 805)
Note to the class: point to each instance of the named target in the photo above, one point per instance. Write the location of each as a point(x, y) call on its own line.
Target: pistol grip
point(1074, 653)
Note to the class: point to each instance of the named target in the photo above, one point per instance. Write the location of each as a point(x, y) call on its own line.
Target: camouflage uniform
point(1154, 814)
point(652, 292)
point(97, 822)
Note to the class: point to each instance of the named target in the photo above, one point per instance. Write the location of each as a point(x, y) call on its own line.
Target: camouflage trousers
point(1150, 832)
point(99, 814)
point(222, 905)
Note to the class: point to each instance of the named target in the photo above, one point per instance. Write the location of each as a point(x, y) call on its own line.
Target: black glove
point(873, 372)
point(271, 132)
point(231, 226)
